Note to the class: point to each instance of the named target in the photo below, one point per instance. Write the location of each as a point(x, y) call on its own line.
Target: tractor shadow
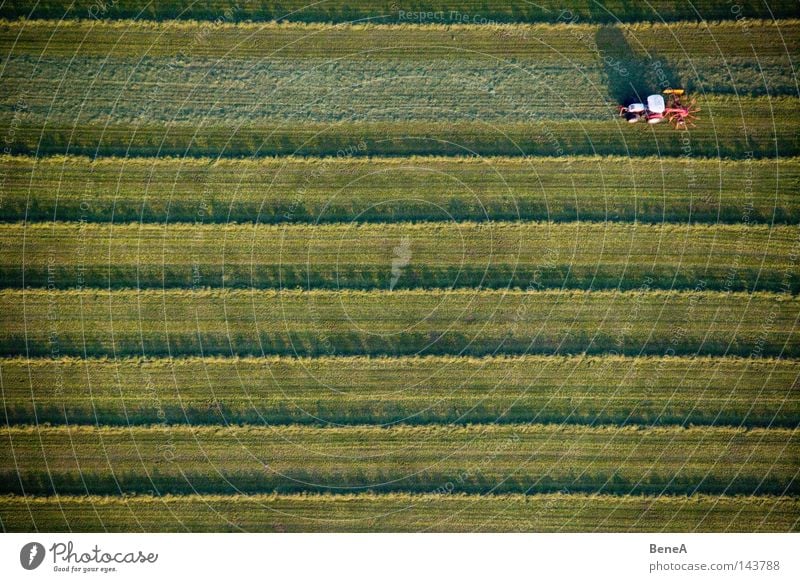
point(631, 76)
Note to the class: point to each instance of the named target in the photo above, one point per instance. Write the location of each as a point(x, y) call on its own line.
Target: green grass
point(474, 459)
point(575, 255)
point(399, 512)
point(349, 189)
point(723, 137)
point(317, 90)
point(467, 322)
point(169, 72)
point(576, 43)
point(588, 409)
point(469, 87)
point(446, 11)
point(359, 390)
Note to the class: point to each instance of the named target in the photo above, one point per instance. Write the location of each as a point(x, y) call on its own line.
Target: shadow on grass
point(631, 76)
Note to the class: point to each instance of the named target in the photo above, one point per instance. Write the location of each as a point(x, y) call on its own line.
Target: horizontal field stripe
point(606, 135)
point(134, 38)
point(351, 189)
point(430, 11)
point(292, 88)
point(475, 459)
point(338, 88)
point(397, 512)
point(465, 322)
point(501, 255)
point(358, 390)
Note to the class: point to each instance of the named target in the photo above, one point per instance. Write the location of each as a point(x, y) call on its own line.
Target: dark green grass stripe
point(358, 390)
point(428, 11)
point(472, 459)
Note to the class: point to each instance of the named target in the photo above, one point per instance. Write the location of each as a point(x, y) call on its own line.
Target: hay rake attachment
point(679, 113)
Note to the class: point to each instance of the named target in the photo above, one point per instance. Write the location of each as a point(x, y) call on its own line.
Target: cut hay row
point(460, 322)
point(744, 130)
point(380, 391)
point(473, 459)
point(155, 365)
point(397, 512)
point(350, 189)
point(393, 89)
point(577, 42)
point(427, 11)
point(504, 255)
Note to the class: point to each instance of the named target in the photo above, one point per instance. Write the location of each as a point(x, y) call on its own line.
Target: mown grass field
point(125, 38)
point(488, 459)
point(435, 390)
point(755, 136)
point(395, 512)
point(411, 274)
point(421, 322)
point(533, 255)
point(269, 89)
point(383, 190)
point(445, 11)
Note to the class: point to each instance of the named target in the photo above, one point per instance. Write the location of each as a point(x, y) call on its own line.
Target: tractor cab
point(655, 109)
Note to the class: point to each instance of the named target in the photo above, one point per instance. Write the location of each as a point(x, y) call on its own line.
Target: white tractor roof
point(655, 104)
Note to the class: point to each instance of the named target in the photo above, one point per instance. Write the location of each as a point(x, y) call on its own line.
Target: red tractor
point(679, 114)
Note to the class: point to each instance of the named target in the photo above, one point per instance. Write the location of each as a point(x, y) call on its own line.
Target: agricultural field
point(416, 322)
point(347, 189)
point(492, 255)
point(350, 267)
point(508, 459)
point(393, 512)
point(368, 90)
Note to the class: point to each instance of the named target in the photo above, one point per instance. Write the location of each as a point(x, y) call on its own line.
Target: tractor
point(674, 110)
